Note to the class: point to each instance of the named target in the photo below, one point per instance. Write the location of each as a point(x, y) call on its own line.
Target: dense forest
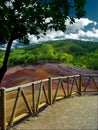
point(78, 53)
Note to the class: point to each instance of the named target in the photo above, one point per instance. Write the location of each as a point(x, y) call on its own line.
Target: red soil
point(23, 74)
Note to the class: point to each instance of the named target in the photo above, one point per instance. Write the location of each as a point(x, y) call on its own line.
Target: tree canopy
point(18, 18)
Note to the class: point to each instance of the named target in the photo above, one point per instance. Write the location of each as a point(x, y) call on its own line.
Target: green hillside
point(78, 53)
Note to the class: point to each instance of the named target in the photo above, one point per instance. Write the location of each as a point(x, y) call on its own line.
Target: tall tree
point(18, 18)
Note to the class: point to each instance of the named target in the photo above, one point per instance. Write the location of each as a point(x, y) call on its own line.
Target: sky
point(85, 28)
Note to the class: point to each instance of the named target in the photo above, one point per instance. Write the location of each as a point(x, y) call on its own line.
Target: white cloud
point(74, 31)
point(82, 29)
point(84, 21)
point(78, 25)
point(33, 39)
point(50, 35)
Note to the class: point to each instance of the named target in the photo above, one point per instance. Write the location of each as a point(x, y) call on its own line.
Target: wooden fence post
point(68, 87)
point(33, 97)
point(3, 108)
point(80, 84)
point(50, 91)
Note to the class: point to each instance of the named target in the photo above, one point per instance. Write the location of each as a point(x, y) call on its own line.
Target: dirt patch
point(23, 74)
point(69, 114)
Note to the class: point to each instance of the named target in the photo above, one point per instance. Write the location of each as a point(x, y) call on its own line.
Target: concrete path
point(77, 113)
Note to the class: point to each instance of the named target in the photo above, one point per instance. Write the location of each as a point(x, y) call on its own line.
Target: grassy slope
point(78, 53)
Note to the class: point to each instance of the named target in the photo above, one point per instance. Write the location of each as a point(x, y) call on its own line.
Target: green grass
point(74, 52)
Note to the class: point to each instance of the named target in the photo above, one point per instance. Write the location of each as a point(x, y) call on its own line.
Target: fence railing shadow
point(22, 101)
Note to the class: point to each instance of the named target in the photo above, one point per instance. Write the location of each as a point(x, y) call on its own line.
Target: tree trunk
point(3, 69)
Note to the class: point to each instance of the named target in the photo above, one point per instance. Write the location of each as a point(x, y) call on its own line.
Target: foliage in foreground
point(19, 18)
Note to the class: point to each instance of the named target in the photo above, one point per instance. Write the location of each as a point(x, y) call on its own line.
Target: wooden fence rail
point(18, 102)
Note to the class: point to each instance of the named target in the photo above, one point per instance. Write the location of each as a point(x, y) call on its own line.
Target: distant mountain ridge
point(17, 44)
point(78, 53)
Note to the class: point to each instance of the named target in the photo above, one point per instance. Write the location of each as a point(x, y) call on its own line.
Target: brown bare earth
point(77, 113)
point(70, 114)
point(21, 74)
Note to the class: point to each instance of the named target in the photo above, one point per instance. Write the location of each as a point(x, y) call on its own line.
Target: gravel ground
point(77, 113)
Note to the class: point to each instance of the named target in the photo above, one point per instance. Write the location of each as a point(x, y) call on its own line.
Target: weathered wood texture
point(25, 100)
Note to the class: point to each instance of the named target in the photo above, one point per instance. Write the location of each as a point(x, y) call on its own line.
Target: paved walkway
point(77, 113)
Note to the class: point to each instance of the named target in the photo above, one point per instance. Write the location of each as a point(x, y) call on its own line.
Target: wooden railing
point(89, 82)
point(22, 101)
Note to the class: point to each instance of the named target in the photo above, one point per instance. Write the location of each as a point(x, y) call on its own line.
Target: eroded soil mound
point(23, 74)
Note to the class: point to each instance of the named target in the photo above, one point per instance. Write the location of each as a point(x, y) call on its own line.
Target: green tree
point(93, 60)
point(18, 18)
point(47, 51)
